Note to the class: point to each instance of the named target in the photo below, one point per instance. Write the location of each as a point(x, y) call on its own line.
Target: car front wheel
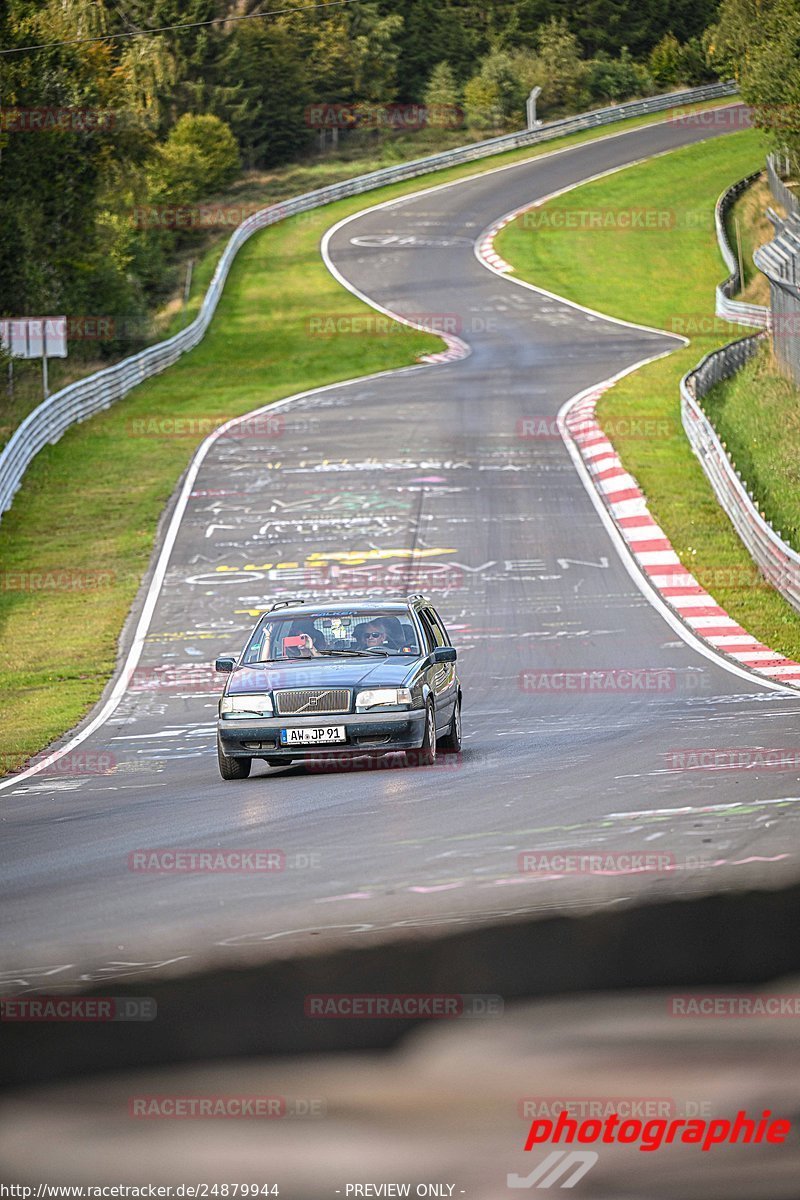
point(426, 755)
point(451, 742)
point(232, 768)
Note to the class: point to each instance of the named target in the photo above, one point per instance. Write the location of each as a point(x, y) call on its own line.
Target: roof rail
point(284, 604)
point(398, 599)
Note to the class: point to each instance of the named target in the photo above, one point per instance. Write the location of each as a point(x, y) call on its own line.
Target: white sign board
point(32, 337)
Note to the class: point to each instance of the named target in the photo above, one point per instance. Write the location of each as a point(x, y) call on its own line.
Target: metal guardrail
point(778, 166)
point(777, 561)
point(755, 316)
point(779, 260)
point(82, 399)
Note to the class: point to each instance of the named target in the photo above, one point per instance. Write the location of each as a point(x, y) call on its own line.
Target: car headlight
point(254, 704)
point(382, 698)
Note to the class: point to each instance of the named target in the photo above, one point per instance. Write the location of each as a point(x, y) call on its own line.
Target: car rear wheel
point(451, 742)
point(232, 768)
point(426, 755)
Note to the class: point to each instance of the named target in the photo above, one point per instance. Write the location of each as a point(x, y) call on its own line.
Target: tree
point(441, 97)
point(741, 29)
point(601, 25)
point(57, 250)
point(696, 68)
point(666, 62)
point(268, 108)
point(495, 97)
point(374, 53)
point(758, 41)
point(433, 31)
point(610, 80)
point(480, 104)
point(161, 71)
point(199, 156)
point(559, 71)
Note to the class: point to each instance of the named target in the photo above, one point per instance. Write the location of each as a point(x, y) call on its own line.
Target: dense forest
point(102, 120)
point(757, 42)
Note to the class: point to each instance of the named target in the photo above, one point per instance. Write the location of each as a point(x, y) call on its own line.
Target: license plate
point(317, 735)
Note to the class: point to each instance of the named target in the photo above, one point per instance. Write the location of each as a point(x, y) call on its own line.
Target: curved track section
point(417, 479)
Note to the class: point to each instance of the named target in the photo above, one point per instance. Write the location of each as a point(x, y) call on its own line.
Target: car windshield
point(345, 633)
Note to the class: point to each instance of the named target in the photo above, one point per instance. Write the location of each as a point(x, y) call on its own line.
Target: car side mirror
point(443, 654)
point(225, 665)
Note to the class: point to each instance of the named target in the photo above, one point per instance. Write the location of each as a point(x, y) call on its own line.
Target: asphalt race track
point(415, 480)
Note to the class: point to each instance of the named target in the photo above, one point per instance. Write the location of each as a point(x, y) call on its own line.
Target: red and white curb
point(652, 550)
point(456, 349)
point(485, 246)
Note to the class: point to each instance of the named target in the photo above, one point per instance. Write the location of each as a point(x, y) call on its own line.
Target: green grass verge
point(757, 414)
point(666, 279)
point(90, 504)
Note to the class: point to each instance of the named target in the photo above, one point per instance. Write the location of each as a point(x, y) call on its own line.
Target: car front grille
point(306, 702)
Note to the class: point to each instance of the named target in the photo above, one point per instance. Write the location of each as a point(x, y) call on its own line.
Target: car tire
point(451, 742)
point(230, 767)
point(426, 755)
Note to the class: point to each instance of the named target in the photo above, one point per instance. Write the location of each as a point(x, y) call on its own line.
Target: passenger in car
point(310, 645)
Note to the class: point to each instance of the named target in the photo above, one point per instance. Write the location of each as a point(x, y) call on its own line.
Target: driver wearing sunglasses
point(375, 635)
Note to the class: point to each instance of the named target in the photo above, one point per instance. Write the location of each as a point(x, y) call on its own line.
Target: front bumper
point(365, 733)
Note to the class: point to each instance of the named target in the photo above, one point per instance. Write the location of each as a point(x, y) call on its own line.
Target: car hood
point(326, 673)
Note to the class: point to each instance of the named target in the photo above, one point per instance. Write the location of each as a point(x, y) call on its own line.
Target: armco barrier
point(82, 399)
point(778, 165)
point(780, 262)
point(778, 562)
point(752, 315)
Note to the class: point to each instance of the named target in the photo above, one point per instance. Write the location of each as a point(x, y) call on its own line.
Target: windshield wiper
point(349, 653)
point(309, 657)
